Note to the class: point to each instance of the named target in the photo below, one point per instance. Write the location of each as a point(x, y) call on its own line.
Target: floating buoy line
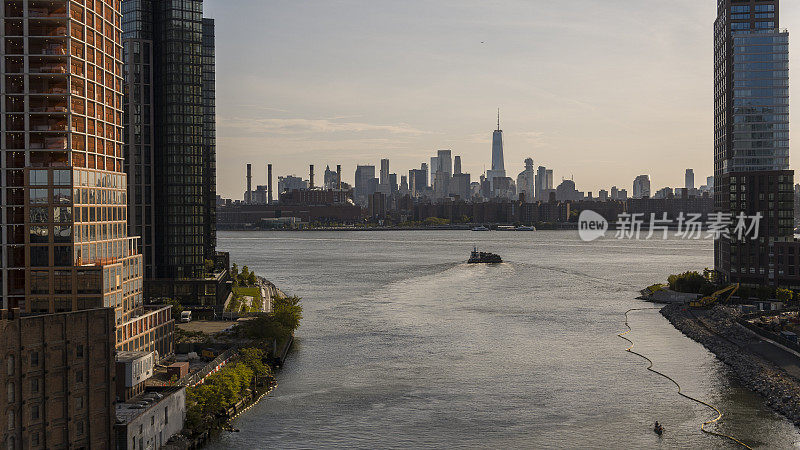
point(680, 390)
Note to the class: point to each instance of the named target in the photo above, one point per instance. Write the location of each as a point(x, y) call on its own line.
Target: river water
point(404, 345)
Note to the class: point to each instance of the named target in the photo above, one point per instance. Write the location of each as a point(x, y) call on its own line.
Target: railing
point(770, 335)
point(212, 367)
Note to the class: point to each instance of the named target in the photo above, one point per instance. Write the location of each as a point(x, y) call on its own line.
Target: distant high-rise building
point(393, 182)
point(498, 163)
point(435, 167)
point(689, 179)
point(424, 168)
point(460, 186)
point(457, 165)
point(641, 186)
point(404, 189)
point(291, 183)
point(526, 181)
point(751, 141)
point(614, 193)
point(330, 179)
point(602, 195)
point(417, 181)
point(364, 185)
point(445, 162)
point(384, 171)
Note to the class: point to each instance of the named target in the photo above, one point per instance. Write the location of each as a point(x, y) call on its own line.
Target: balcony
point(48, 105)
point(48, 47)
point(47, 9)
point(45, 123)
point(14, 27)
point(49, 85)
point(48, 65)
point(46, 142)
point(50, 28)
point(15, 46)
point(15, 65)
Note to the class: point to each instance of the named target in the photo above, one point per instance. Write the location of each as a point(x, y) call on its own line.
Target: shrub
point(784, 295)
point(688, 282)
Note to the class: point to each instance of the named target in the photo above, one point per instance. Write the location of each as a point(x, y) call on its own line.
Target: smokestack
point(339, 177)
point(249, 198)
point(311, 176)
point(269, 184)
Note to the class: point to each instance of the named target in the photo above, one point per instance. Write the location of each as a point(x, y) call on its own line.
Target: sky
point(597, 90)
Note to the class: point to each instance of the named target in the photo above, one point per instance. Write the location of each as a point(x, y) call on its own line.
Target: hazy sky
point(602, 90)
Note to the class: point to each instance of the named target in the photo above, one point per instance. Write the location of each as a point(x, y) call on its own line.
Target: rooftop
point(133, 408)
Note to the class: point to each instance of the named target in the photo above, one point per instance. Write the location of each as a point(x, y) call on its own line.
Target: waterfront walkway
point(783, 357)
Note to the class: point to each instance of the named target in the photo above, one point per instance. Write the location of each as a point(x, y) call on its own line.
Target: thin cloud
point(305, 126)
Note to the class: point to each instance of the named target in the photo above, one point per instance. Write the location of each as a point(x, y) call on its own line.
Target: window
point(35, 439)
point(11, 421)
point(62, 177)
point(38, 178)
point(38, 196)
point(79, 351)
point(39, 215)
point(35, 412)
point(34, 359)
point(79, 403)
point(11, 365)
point(35, 385)
point(80, 428)
point(11, 392)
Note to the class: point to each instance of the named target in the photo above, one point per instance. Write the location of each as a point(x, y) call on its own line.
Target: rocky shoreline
point(729, 342)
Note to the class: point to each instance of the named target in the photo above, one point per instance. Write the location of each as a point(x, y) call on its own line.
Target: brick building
point(57, 376)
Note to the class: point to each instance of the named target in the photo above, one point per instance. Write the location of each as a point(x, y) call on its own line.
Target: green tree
point(784, 295)
point(688, 282)
point(177, 308)
point(287, 312)
point(244, 276)
point(251, 279)
point(234, 271)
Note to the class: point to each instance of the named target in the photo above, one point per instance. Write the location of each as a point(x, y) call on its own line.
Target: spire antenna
point(498, 119)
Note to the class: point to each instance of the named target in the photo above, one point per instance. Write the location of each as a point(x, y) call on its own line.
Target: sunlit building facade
point(751, 142)
point(65, 190)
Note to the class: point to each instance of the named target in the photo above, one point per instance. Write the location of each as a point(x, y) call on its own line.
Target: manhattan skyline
point(601, 93)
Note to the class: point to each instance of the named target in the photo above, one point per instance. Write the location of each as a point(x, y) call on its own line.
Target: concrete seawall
point(719, 331)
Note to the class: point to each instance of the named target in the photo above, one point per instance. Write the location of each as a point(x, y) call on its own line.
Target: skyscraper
point(364, 183)
point(689, 185)
point(544, 183)
point(526, 181)
point(498, 165)
point(456, 165)
point(170, 112)
point(384, 172)
point(64, 163)
point(445, 160)
point(435, 167)
point(751, 138)
point(641, 186)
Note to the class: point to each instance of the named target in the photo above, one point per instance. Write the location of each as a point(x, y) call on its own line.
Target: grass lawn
point(258, 302)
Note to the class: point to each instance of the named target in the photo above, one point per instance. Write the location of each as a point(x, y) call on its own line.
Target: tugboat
point(483, 258)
